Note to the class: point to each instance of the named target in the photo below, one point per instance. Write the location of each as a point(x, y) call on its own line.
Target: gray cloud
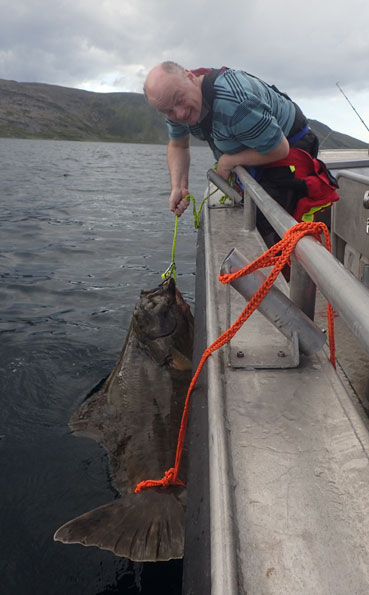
point(303, 47)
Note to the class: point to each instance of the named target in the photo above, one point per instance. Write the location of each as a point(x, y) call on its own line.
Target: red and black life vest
point(315, 185)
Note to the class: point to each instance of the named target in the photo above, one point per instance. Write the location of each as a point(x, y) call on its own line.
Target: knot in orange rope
point(280, 253)
point(170, 478)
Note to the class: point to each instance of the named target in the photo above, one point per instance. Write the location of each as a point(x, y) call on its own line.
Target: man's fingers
point(181, 207)
point(178, 202)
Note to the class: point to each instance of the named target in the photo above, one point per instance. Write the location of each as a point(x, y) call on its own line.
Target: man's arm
point(251, 158)
point(179, 164)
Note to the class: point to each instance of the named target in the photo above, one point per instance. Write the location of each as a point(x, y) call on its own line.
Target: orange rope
point(277, 256)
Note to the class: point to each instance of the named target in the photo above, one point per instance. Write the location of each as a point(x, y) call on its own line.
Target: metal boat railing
point(312, 264)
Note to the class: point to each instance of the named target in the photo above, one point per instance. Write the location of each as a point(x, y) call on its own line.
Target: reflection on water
point(84, 227)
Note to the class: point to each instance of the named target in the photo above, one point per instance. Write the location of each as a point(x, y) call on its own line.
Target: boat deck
point(282, 506)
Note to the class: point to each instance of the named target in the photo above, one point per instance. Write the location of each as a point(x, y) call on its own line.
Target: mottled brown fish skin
point(136, 416)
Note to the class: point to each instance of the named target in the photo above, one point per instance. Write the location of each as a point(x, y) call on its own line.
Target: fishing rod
point(355, 110)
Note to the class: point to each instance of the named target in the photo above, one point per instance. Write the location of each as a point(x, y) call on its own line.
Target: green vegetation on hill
point(36, 110)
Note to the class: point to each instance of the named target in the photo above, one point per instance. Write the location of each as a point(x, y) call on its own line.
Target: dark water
point(84, 227)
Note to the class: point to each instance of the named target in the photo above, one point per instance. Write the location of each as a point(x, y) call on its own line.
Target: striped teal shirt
point(247, 113)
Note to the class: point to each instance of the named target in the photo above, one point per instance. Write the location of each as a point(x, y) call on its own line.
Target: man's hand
point(177, 201)
point(224, 166)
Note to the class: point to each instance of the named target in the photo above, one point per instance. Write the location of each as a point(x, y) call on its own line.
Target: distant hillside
point(330, 139)
point(36, 110)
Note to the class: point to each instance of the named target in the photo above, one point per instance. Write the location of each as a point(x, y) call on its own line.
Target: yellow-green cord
point(171, 270)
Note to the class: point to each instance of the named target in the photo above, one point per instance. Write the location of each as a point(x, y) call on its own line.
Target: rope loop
point(170, 478)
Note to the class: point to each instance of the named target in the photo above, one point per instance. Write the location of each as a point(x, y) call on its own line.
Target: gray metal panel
point(360, 169)
point(288, 457)
point(303, 501)
point(349, 220)
point(196, 567)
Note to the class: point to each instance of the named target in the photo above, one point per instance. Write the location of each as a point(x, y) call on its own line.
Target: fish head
point(161, 320)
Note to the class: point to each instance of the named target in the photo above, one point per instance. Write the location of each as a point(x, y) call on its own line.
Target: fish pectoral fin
point(144, 527)
point(180, 361)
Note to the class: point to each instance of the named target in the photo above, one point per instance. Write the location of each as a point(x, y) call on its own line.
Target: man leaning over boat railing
point(245, 122)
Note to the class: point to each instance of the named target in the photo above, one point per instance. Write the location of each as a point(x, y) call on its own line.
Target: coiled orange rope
point(277, 256)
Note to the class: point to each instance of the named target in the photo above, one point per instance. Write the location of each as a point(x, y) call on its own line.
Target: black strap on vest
point(208, 95)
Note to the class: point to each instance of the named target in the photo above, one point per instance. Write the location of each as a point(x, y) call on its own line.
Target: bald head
point(175, 92)
point(159, 77)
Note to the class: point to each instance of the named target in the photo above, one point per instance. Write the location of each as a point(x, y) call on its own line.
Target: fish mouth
point(168, 286)
point(156, 314)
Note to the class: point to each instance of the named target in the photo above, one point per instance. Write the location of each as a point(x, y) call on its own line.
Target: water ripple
point(81, 234)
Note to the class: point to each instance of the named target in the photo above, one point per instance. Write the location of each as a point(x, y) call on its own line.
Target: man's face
point(177, 96)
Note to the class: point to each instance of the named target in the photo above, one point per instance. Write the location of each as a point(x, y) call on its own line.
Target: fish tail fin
point(144, 527)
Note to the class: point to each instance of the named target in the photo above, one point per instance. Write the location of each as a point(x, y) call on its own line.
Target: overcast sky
point(304, 47)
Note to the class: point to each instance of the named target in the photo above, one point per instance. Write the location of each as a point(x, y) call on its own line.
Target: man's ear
point(190, 75)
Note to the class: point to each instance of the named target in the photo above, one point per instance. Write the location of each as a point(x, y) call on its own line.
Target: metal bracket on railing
point(295, 331)
point(275, 351)
point(226, 197)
